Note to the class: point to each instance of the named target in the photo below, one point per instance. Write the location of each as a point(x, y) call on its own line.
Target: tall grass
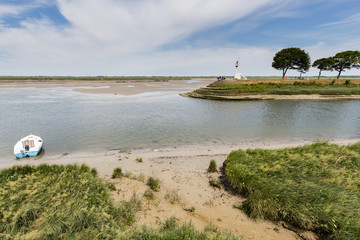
point(72, 202)
point(171, 231)
point(314, 187)
point(58, 202)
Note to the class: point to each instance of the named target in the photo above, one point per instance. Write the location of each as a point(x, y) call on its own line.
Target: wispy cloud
point(354, 19)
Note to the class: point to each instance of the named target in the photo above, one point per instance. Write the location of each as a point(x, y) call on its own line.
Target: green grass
point(57, 202)
point(212, 167)
point(117, 173)
point(72, 202)
point(314, 187)
point(171, 231)
point(154, 184)
point(215, 183)
point(296, 88)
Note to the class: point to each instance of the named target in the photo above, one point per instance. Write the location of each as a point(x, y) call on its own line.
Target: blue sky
point(168, 37)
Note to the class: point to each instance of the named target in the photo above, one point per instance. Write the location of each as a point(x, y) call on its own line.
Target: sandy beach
point(123, 87)
point(183, 176)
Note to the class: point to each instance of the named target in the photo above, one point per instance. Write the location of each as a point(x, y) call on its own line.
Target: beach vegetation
point(149, 194)
point(222, 90)
point(111, 186)
point(314, 187)
point(170, 224)
point(117, 173)
point(171, 232)
point(190, 209)
point(215, 183)
point(57, 202)
point(172, 197)
point(139, 177)
point(154, 184)
point(70, 202)
point(139, 160)
point(212, 167)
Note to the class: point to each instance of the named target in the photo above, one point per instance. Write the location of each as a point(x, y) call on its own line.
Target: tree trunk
point(284, 72)
point(300, 75)
point(339, 74)
point(319, 74)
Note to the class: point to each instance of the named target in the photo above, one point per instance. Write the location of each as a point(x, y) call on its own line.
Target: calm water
point(70, 121)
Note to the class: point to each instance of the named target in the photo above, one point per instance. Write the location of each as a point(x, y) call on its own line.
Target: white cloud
point(354, 19)
point(109, 37)
point(8, 10)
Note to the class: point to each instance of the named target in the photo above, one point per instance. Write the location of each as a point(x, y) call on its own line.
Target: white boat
point(28, 146)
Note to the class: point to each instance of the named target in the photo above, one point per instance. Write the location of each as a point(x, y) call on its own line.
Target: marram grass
point(55, 202)
point(72, 202)
point(315, 187)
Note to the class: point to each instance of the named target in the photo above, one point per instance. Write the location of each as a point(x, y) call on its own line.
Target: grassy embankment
point(72, 202)
point(314, 187)
point(221, 90)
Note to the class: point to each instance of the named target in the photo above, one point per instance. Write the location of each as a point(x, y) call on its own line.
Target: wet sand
point(123, 87)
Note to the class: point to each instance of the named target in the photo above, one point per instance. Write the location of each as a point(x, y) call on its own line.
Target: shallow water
point(73, 122)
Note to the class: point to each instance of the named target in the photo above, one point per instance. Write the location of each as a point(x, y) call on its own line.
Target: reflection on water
point(70, 121)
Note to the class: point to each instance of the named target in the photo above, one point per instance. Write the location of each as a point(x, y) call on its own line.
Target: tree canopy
point(291, 58)
point(324, 64)
point(346, 60)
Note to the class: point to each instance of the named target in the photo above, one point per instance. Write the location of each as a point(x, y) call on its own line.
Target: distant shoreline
point(254, 97)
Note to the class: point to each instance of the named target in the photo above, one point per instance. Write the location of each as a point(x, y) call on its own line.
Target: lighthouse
point(238, 76)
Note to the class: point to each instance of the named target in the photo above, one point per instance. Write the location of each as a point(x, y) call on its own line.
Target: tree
point(291, 58)
point(324, 64)
point(346, 60)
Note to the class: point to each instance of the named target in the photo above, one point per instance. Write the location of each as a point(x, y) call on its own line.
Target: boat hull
point(27, 154)
point(29, 146)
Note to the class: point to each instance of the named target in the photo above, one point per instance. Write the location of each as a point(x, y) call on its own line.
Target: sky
point(170, 37)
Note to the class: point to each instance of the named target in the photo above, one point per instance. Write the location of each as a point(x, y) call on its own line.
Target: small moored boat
point(28, 146)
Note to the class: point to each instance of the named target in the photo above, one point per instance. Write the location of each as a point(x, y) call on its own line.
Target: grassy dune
point(231, 89)
point(72, 202)
point(314, 187)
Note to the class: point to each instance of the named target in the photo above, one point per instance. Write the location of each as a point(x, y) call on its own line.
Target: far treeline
point(298, 59)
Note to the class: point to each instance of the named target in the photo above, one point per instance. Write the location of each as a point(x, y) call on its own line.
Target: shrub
point(169, 224)
point(94, 172)
point(172, 197)
point(347, 82)
point(111, 186)
point(117, 173)
point(212, 167)
point(139, 160)
point(215, 183)
point(149, 194)
point(154, 184)
point(190, 209)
